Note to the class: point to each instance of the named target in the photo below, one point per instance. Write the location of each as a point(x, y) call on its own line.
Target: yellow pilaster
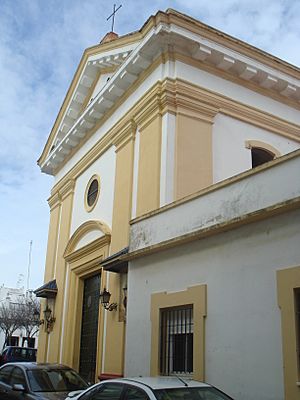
point(66, 194)
point(193, 165)
point(115, 330)
point(54, 204)
point(148, 193)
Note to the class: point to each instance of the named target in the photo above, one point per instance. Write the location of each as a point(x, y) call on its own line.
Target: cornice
point(67, 189)
point(126, 133)
point(54, 200)
point(238, 110)
point(231, 42)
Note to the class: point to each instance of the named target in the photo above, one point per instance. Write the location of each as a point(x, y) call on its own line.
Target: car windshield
point(186, 393)
point(55, 380)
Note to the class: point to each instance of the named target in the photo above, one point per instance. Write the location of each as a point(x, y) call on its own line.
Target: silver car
point(34, 381)
point(160, 388)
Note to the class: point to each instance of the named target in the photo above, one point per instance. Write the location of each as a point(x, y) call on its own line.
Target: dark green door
point(89, 328)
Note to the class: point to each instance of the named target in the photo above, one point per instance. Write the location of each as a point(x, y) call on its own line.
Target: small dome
point(109, 37)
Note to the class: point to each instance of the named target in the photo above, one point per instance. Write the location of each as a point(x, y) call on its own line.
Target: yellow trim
point(195, 296)
point(250, 144)
point(287, 281)
point(88, 207)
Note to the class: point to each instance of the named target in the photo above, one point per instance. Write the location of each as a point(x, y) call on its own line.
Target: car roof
point(168, 382)
point(34, 365)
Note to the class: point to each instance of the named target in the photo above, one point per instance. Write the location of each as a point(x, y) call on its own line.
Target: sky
point(41, 44)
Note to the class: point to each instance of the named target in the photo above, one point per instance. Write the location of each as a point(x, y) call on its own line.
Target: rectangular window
point(176, 340)
point(297, 311)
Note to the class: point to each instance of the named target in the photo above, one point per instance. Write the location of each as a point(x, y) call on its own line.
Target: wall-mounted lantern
point(104, 300)
point(48, 320)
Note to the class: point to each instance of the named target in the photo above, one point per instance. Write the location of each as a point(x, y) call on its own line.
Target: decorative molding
point(78, 255)
point(126, 133)
point(54, 200)
point(67, 189)
point(250, 144)
point(82, 231)
point(87, 207)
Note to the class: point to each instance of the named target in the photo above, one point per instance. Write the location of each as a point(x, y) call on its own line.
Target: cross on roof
point(113, 16)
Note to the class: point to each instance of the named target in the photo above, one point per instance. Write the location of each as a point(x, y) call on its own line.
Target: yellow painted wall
point(193, 166)
point(149, 166)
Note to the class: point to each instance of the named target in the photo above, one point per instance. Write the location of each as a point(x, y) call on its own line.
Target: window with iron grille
point(176, 340)
point(297, 310)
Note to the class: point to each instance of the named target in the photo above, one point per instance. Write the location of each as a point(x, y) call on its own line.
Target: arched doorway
point(87, 247)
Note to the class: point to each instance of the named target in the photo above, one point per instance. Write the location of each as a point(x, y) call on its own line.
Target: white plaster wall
point(105, 168)
point(167, 159)
point(88, 238)
point(237, 92)
point(230, 156)
point(243, 326)
point(101, 83)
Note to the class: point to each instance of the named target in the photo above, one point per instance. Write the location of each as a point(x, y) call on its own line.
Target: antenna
point(29, 264)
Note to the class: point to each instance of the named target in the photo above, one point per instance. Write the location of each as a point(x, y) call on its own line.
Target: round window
point(92, 192)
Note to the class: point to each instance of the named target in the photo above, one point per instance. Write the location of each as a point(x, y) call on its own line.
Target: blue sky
point(41, 43)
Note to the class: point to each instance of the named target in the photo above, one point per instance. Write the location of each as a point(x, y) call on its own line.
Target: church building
point(174, 233)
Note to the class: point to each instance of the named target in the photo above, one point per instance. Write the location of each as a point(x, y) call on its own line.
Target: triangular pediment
point(97, 66)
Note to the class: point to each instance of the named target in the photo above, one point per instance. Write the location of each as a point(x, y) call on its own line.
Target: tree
point(9, 320)
point(29, 311)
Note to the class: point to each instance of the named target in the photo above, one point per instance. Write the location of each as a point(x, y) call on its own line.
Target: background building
point(15, 297)
point(154, 147)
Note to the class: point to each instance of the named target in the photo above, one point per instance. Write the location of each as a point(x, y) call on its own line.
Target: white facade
point(104, 168)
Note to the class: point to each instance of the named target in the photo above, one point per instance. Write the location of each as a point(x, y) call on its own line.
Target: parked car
point(160, 388)
point(34, 381)
point(17, 354)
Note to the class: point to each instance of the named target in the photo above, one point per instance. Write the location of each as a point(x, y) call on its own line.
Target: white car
point(160, 388)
